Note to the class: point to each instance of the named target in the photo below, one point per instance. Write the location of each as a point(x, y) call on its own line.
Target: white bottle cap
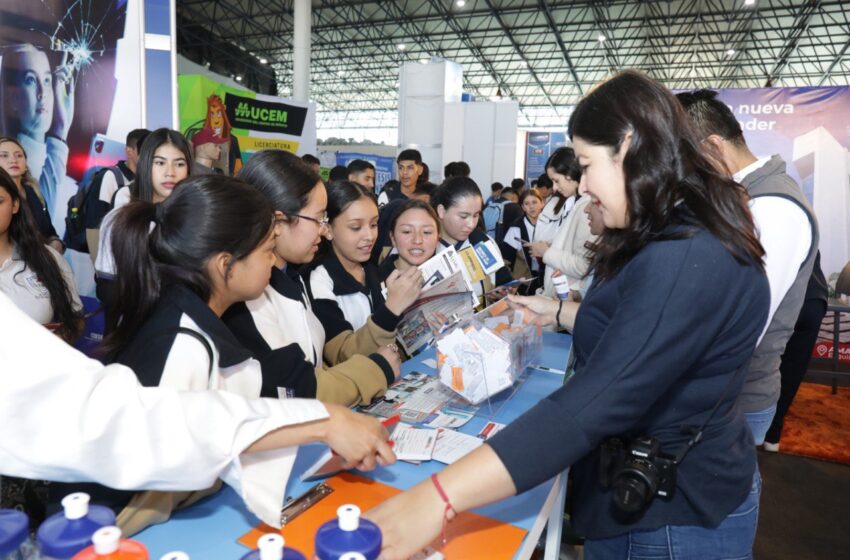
point(349, 517)
point(352, 556)
point(76, 505)
point(106, 540)
point(176, 555)
point(270, 546)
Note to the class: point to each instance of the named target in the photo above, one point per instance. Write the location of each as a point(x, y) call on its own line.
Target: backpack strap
point(200, 338)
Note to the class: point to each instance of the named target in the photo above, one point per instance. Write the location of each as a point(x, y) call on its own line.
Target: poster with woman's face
point(57, 86)
point(70, 91)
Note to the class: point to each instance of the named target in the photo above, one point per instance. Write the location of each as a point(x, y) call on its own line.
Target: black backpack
point(82, 205)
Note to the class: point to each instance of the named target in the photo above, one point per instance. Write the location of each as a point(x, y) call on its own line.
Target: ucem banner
point(244, 121)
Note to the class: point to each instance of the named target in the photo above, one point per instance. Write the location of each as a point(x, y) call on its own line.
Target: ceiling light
point(424, 61)
point(749, 2)
point(601, 38)
point(730, 52)
point(264, 61)
point(340, 73)
point(460, 3)
point(401, 46)
point(238, 78)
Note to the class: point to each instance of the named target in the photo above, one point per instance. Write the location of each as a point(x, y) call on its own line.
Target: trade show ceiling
point(542, 53)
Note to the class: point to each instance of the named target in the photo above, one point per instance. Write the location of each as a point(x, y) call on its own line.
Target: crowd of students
point(274, 284)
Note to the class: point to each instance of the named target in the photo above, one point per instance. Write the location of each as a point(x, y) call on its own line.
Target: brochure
point(423, 400)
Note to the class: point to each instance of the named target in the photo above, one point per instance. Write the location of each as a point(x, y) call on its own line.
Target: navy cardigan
point(656, 346)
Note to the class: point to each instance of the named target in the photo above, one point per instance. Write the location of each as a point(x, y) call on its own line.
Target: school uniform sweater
point(656, 346)
point(342, 303)
point(550, 220)
point(568, 251)
point(209, 357)
point(282, 331)
point(520, 232)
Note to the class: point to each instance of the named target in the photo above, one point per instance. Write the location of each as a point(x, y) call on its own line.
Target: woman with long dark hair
point(165, 159)
point(183, 263)
point(32, 274)
point(344, 285)
point(662, 341)
point(299, 356)
point(567, 252)
point(39, 282)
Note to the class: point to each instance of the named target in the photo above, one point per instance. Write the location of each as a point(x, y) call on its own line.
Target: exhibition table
point(209, 530)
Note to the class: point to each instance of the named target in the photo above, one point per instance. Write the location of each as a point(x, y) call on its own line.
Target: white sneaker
point(772, 447)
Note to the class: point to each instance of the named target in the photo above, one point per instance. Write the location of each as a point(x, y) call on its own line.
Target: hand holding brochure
point(330, 463)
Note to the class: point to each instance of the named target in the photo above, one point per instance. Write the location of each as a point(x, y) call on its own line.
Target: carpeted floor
point(818, 425)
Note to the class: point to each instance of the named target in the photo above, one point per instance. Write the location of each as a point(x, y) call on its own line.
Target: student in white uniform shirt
point(280, 327)
point(165, 159)
point(183, 262)
point(556, 208)
point(568, 251)
point(518, 239)
point(32, 274)
point(70, 418)
point(344, 286)
point(458, 202)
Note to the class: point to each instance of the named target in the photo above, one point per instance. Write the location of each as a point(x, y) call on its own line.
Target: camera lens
point(631, 494)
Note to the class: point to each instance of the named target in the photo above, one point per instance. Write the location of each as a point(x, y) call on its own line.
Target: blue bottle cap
point(348, 533)
point(14, 526)
point(66, 533)
point(270, 547)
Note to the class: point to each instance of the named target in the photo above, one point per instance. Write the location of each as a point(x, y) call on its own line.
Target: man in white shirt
point(787, 229)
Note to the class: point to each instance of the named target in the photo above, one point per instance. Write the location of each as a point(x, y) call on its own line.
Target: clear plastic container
point(271, 547)
point(108, 545)
point(14, 527)
point(66, 533)
point(348, 534)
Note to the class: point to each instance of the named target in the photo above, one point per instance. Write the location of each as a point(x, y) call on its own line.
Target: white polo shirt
point(27, 291)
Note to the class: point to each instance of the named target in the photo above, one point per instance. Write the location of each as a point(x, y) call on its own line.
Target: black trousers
point(795, 361)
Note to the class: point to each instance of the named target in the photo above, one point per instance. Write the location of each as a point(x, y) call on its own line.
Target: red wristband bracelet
point(448, 508)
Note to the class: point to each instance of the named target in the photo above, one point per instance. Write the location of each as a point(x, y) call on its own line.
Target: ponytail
point(137, 286)
point(156, 245)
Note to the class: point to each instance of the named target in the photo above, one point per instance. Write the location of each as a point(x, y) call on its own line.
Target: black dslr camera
point(636, 472)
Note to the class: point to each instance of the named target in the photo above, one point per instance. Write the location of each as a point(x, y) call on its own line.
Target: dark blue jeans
point(731, 540)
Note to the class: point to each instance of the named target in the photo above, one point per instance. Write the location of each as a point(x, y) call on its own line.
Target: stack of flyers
point(424, 401)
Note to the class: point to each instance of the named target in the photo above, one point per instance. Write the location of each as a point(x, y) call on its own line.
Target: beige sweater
point(568, 252)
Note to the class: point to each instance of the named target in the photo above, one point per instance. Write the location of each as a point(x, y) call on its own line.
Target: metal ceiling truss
point(544, 53)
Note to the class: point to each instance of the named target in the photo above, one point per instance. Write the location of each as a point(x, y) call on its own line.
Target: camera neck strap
point(696, 434)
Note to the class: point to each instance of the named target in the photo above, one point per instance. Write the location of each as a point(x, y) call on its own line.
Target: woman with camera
point(662, 339)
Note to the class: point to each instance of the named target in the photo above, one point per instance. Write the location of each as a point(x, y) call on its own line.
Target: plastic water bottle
point(66, 533)
point(348, 534)
point(561, 285)
point(14, 527)
point(271, 547)
point(108, 545)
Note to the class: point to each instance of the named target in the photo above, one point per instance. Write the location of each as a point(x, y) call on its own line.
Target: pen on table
point(547, 369)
